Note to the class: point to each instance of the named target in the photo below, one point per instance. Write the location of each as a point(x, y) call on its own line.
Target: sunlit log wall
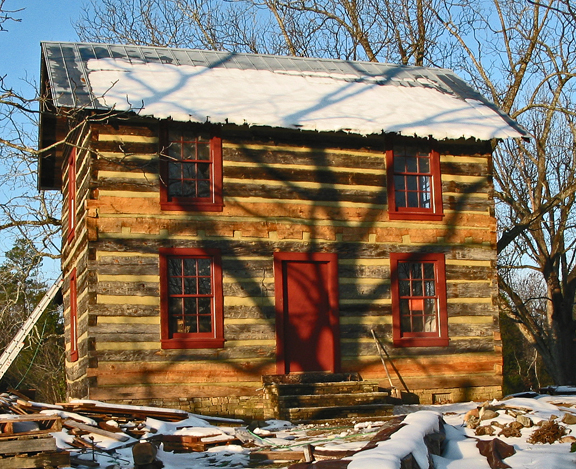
point(283, 191)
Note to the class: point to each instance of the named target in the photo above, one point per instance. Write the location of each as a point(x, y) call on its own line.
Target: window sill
point(192, 206)
point(192, 343)
point(421, 342)
point(416, 216)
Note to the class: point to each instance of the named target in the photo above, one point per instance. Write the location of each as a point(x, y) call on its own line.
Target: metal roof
point(69, 74)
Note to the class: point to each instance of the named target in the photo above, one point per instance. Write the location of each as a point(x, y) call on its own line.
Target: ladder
point(17, 343)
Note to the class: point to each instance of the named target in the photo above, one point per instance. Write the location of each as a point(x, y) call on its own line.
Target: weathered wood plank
point(47, 459)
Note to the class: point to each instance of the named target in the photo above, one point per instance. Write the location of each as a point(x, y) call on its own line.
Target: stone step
point(325, 400)
point(346, 387)
point(307, 414)
point(310, 377)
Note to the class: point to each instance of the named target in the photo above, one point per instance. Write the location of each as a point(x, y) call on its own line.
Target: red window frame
point(413, 175)
point(71, 194)
point(73, 316)
point(173, 339)
point(200, 174)
point(409, 296)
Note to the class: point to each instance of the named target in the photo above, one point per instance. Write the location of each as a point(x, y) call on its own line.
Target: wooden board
point(55, 459)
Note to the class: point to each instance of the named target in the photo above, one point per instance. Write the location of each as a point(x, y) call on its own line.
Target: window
point(190, 168)
point(71, 194)
point(191, 298)
point(419, 300)
point(414, 183)
point(73, 317)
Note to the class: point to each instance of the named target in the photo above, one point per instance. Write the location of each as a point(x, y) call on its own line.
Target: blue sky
point(42, 20)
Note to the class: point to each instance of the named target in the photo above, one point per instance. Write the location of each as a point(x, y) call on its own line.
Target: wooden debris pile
point(26, 429)
point(26, 442)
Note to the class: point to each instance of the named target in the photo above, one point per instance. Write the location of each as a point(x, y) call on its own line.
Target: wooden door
point(307, 328)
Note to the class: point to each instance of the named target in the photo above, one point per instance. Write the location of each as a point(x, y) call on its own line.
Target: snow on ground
point(460, 450)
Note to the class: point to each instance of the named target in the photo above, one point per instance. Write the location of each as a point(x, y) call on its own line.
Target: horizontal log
point(354, 349)
point(218, 355)
point(112, 393)
point(473, 330)
point(127, 288)
point(124, 310)
point(249, 332)
point(470, 290)
point(109, 132)
point(127, 147)
point(322, 174)
point(468, 169)
point(309, 157)
point(240, 248)
point(249, 312)
point(248, 189)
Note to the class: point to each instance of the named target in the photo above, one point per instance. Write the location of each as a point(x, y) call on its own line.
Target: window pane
point(174, 267)
point(190, 306)
point(203, 151)
point(175, 189)
point(405, 307)
point(204, 267)
point(428, 270)
point(430, 307)
point(399, 183)
point(403, 270)
point(189, 170)
point(204, 324)
point(412, 183)
point(430, 288)
point(417, 288)
point(412, 199)
point(190, 324)
point(175, 286)
point(175, 150)
point(424, 165)
point(189, 267)
point(189, 151)
point(401, 199)
point(406, 324)
point(404, 288)
point(425, 201)
point(416, 269)
point(417, 324)
point(204, 306)
point(203, 171)
point(174, 170)
point(203, 188)
point(190, 286)
point(411, 165)
point(188, 189)
point(399, 164)
point(205, 285)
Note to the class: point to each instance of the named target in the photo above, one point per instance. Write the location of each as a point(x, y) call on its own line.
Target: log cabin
point(231, 219)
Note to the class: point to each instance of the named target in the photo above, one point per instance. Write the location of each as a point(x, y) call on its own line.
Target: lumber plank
point(27, 446)
point(91, 429)
point(47, 459)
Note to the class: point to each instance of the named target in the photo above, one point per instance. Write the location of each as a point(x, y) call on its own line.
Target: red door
point(307, 332)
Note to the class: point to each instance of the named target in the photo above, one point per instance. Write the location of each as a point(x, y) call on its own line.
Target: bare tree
point(520, 54)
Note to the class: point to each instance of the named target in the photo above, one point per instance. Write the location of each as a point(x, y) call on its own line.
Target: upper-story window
point(414, 183)
point(191, 168)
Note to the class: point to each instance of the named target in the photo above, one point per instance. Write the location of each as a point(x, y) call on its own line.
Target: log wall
point(282, 192)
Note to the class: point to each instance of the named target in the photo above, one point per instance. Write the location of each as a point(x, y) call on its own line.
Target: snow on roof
point(287, 92)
